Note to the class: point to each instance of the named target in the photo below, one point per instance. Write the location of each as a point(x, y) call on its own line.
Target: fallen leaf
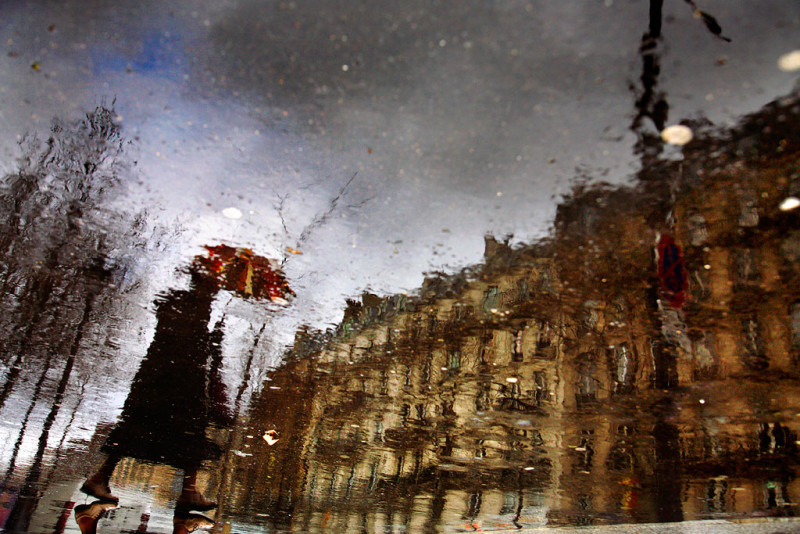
point(271, 437)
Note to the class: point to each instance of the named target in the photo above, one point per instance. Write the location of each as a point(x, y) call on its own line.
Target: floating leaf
point(271, 437)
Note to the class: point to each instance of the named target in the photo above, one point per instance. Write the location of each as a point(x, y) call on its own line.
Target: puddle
point(400, 268)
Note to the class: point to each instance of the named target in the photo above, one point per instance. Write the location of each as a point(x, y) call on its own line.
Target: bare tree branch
point(710, 22)
point(321, 218)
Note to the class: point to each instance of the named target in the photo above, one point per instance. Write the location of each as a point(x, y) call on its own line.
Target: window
point(491, 299)
point(698, 230)
point(455, 360)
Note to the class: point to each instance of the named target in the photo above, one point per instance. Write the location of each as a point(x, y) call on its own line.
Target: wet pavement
point(686, 527)
point(431, 340)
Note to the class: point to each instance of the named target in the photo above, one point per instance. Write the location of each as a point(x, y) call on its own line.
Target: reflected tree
point(54, 237)
point(58, 234)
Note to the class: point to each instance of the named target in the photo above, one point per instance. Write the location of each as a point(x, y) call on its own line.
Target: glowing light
point(232, 213)
point(789, 204)
point(790, 62)
point(677, 134)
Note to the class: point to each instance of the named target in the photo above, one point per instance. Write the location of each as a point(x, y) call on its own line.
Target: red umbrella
point(246, 274)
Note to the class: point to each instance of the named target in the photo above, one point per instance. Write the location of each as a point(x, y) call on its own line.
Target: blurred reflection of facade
point(556, 383)
point(559, 383)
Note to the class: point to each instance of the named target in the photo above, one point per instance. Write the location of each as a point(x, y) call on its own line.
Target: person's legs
point(88, 515)
point(191, 498)
point(183, 523)
point(97, 484)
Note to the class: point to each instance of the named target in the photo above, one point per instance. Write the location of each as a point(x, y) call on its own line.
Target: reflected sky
point(457, 118)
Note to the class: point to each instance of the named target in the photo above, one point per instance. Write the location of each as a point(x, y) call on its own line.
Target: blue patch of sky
point(159, 53)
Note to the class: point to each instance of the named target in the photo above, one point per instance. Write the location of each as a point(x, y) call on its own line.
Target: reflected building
point(637, 367)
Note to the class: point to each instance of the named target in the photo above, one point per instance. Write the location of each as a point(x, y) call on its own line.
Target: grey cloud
point(296, 51)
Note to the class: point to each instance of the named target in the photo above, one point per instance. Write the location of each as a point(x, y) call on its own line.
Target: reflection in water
point(176, 394)
point(57, 254)
point(628, 370)
point(638, 366)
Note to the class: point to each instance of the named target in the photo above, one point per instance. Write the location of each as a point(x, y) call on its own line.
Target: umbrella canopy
point(239, 270)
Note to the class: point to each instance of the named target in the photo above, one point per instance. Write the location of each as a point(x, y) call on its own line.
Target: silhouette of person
point(176, 394)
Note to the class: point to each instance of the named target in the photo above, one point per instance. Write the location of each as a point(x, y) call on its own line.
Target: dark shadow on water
point(176, 395)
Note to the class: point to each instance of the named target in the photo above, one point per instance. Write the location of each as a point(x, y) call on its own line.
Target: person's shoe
point(192, 522)
point(194, 500)
point(87, 515)
point(98, 490)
